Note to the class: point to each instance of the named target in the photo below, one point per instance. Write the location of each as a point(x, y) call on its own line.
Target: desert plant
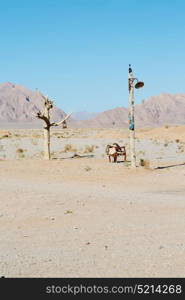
point(20, 150)
point(127, 163)
point(36, 136)
point(5, 136)
point(145, 163)
point(87, 168)
point(89, 149)
point(69, 148)
point(68, 212)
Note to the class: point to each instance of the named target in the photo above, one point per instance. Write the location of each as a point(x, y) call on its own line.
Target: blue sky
point(78, 51)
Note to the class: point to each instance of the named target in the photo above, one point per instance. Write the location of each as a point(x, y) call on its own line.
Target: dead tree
point(45, 116)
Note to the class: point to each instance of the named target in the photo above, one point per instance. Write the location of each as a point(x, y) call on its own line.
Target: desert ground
point(78, 215)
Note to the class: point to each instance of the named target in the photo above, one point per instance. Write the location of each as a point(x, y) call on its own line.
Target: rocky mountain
point(165, 109)
point(20, 104)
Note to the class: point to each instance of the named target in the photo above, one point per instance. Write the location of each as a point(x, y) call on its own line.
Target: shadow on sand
point(74, 156)
point(171, 166)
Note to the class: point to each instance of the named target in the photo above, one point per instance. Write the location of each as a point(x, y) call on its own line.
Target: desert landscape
point(78, 215)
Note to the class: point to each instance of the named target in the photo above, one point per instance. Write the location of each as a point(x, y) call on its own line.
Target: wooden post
point(48, 104)
point(131, 117)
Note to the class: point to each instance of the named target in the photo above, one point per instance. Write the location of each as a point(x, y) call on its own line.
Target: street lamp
point(131, 86)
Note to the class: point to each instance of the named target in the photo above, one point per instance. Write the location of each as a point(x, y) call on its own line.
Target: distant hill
point(157, 111)
point(18, 104)
point(83, 115)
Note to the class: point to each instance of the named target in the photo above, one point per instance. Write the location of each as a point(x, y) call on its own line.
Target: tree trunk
point(47, 142)
point(47, 134)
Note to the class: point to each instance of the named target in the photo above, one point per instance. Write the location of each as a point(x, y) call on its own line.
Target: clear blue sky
point(78, 51)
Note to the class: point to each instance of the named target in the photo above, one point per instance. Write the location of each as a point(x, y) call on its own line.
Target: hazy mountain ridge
point(19, 104)
point(157, 111)
point(83, 115)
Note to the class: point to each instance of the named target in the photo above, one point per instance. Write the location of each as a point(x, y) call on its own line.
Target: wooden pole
point(131, 117)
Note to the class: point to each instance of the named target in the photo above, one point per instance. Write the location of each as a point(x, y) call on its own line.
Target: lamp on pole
point(131, 87)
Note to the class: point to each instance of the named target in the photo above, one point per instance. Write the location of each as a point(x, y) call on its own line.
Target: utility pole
point(131, 87)
point(131, 117)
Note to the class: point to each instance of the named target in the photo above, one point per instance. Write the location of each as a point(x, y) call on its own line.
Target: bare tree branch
point(39, 115)
point(62, 121)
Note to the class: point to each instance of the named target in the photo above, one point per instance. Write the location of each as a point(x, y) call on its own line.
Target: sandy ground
point(84, 217)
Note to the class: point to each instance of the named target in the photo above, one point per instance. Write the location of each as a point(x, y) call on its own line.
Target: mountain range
point(19, 104)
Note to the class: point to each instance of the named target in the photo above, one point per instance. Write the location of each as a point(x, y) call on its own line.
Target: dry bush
point(17, 135)
point(87, 168)
point(20, 150)
point(181, 148)
point(5, 136)
point(89, 149)
point(145, 163)
point(69, 148)
point(68, 212)
point(36, 136)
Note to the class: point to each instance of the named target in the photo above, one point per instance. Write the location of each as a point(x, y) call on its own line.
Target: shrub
point(69, 148)
point(19, 150)
point(89, 149)
point(145, 163)
point(68, 212)
point(87, 168)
